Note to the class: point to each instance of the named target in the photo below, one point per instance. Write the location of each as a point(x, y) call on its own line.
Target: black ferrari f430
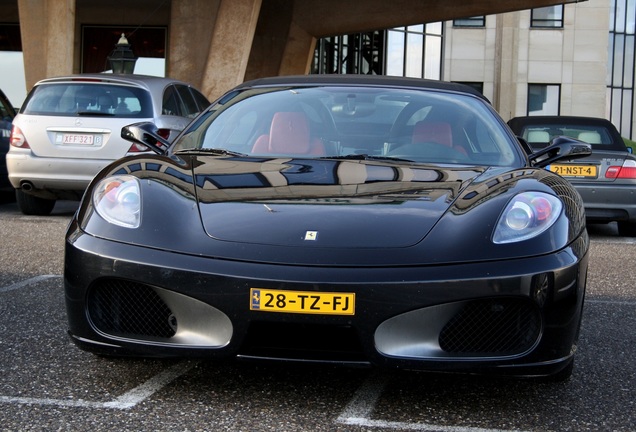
point(346, 219)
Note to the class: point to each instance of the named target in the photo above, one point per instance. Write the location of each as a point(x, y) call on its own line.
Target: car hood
point(324, 202)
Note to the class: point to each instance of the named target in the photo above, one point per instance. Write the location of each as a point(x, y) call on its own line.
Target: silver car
point(69, 128)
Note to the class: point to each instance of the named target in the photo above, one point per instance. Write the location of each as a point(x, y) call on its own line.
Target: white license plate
point(80, 139)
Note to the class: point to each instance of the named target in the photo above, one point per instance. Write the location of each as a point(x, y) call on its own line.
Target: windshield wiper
point(217, 151)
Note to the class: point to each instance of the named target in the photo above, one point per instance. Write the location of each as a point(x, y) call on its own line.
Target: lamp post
point(122, 60)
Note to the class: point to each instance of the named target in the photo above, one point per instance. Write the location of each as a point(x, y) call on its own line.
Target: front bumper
point(425, 318)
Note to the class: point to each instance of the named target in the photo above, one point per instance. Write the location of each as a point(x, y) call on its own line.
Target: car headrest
point(289, 133)
point(433, 131)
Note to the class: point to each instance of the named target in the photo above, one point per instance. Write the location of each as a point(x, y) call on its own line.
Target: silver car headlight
point(118, 200)
point(527, 215)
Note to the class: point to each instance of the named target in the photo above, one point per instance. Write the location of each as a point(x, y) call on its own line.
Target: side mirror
point(560, 148)
point(145, 133)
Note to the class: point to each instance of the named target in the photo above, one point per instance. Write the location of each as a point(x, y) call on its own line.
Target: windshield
point(338, 121)
point(89, 99)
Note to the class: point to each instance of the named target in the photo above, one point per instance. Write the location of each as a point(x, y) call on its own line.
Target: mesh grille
point(492, 327)
point(129, 309)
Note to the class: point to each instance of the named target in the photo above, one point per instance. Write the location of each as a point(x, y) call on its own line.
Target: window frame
point(547, 23)
point(547, 86)
point(470, 22)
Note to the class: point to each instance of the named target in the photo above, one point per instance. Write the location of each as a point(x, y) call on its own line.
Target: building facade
point(540, 61)
point(572, 59)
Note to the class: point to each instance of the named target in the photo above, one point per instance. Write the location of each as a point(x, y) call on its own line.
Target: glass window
point(414, 55)
point(415, 51)
point(547, 17)
point(476, 21)
point(201, 100)
point(420, 126)
point(191, 109)
point(88, 99)
point(620, 65)
point(395, 52)
point(539, 135)
point(170, 105)
point(544, 99)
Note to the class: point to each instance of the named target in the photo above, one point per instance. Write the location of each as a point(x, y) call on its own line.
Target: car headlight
point(118, 200)
point(527, 215)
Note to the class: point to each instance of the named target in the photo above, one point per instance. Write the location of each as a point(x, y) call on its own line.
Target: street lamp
point(122, 60)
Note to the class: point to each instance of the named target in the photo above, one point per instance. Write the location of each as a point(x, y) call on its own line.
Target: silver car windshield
point(413, 125)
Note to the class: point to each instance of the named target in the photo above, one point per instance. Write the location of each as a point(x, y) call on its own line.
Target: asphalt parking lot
point(47, 384)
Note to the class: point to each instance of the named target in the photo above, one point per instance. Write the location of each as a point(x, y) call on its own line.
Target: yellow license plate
point(306, 302)
point(574, 170)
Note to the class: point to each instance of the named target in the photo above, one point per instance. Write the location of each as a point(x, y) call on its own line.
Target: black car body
point(7, 113)
point(606, 179)
point(352, 233)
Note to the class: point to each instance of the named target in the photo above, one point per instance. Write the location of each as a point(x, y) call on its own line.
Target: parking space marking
point(27, 282)
point(126, 401)
point(359, 409)
point(150, 387)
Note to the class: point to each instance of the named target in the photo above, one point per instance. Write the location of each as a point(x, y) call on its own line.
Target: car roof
point(558, 119)
point(517, 123)
point(352, 79)
point(145, 81)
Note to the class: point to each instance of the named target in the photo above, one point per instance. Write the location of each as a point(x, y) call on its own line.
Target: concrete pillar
point(299, 52)
point(230, 47)
point(191, 24)
point(47, 30)
point(507, 58)
point(270, 39)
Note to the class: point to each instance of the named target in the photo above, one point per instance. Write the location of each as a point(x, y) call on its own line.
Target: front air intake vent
point(128, 309)
point(497, 327)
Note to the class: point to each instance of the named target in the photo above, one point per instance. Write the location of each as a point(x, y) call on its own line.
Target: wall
point(507, 55)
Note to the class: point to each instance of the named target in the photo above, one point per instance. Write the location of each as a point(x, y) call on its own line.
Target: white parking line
point(26, 282)
point(126, 401)
point(147, 389)
point(358, 411)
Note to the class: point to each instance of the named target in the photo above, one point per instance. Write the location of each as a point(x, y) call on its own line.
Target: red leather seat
point(435, 132)
point(289, 135)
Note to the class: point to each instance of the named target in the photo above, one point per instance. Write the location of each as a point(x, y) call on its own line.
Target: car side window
point(5, 110)
point(202, 101)
point(170, 105)
point(191, 109)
